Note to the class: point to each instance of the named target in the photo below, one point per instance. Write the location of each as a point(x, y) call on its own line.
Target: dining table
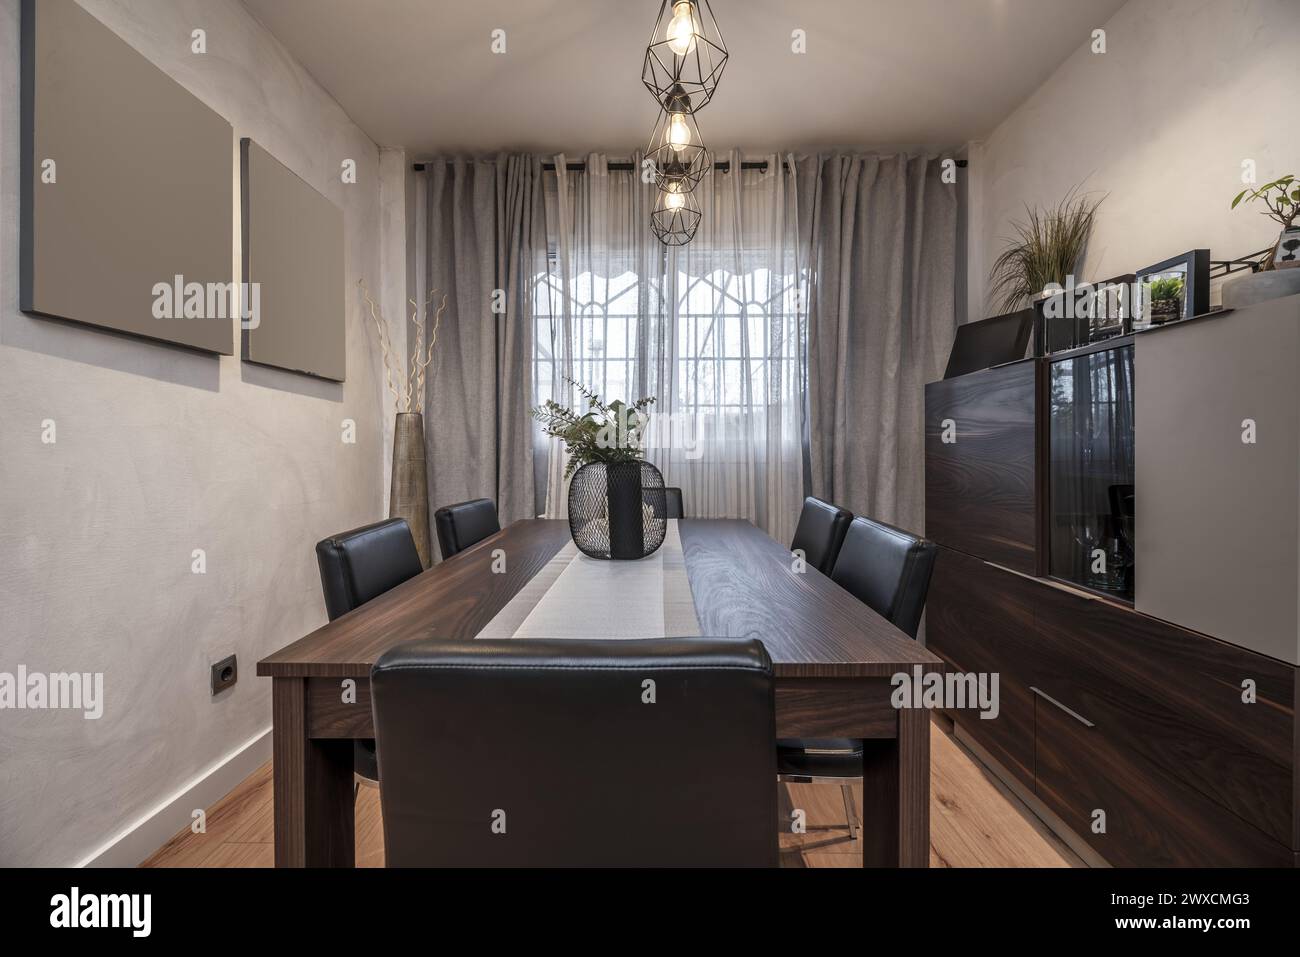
point(836, 662)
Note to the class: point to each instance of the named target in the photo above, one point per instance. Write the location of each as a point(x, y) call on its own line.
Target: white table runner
point(579, 597)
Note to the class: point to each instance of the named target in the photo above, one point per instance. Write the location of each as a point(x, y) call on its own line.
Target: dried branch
point(422, 362)
point(414, 381)
point(411, 396)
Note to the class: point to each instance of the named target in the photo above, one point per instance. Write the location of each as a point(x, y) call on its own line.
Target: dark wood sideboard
point(1102, 708)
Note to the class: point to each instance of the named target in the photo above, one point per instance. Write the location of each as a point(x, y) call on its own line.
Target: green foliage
point(604, 433)
point(1163, 290)
point(1281, 199)
point(1047, 248)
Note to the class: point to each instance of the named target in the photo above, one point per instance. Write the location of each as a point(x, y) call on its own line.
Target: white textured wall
point(394, 171)
point(160, 452)
point(1185, 91)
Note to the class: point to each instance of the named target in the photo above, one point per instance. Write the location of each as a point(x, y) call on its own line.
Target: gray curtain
point(486, 240)
point(881, 240)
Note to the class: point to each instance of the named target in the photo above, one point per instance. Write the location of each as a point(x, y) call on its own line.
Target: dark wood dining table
point(833, 659)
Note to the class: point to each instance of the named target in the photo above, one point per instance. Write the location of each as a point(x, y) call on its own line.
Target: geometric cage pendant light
point(677, 152)
point(676, 216)
point(683, 65)
point(685, 56)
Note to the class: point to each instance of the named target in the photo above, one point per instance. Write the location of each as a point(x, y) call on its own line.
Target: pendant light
point(683, 64)
point(686, 52)
point(676, 215)
point(676, 150)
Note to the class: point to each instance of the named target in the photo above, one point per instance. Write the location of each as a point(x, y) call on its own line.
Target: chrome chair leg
point(851, 812)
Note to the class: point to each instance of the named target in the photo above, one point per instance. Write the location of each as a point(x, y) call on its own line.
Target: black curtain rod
point(723, 166)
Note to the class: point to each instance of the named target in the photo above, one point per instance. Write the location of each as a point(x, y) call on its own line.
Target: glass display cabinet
point(1091, 470)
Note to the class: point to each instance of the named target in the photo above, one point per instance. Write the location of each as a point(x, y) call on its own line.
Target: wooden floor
point(974, 822)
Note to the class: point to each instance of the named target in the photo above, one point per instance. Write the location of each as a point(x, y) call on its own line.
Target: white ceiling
point(419, 74)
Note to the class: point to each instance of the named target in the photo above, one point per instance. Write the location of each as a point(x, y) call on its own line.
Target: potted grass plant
point(1047, 248)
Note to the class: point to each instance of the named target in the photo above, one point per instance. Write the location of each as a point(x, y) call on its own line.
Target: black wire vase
point(618, 510)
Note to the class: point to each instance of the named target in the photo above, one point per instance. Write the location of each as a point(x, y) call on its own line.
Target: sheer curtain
point(714, 331)
point(596, 302)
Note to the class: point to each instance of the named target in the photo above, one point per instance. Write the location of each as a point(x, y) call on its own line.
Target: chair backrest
point(673, 496)
point(364, 563)
point(820, 532)
point(465, 524)
point(888, 569)
point(555, 753)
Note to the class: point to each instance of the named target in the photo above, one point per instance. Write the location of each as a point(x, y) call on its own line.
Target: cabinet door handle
point(1070, 711)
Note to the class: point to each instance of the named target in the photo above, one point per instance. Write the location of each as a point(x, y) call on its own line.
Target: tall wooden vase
point(409, 494)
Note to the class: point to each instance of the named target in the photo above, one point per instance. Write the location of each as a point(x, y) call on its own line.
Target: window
point(714, 331)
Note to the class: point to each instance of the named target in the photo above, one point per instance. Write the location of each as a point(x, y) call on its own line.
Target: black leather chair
point(560, 753)
point(355, 567)
point(673, 496)
point(663, 502)
point(820, 532)
point(465, 524)
point(888, 570)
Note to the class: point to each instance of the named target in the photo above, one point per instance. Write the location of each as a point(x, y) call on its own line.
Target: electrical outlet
point(224, 674)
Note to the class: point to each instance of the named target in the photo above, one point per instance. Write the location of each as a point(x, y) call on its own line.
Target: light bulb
point(673, 198)
point(679, 134)
point(681, 29)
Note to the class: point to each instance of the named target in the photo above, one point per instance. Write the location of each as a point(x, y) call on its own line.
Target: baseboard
point(138, 840)
point(1030, 800)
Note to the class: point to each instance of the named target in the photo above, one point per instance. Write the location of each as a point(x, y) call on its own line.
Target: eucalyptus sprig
point(604, 433)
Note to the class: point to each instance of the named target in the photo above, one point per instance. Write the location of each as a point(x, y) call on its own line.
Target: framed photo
point(1177, 288)
point(1089, 312)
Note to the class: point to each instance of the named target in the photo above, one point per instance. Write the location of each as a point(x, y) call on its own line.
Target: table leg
point(314, 821)
point(896, 793)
